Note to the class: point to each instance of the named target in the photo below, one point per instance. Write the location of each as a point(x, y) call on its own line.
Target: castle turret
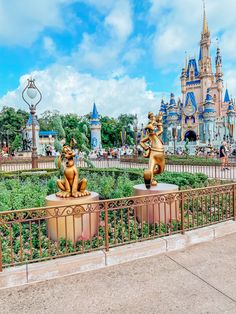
point(95, 123)
point(231, 119)
point(226, 98)
point(219, 73)
point(205, 64)
point(209, 115)
point(183, 81)
point(173, 111)
point(205, 58)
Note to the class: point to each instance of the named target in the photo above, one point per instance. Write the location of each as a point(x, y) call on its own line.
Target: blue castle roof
point(95, 118)
point(172, 110)
point(30, 120)
point(192, 63)
point(47, 133)
point(95, 114)
point(209, 104)
point(226, 99)
point(230, 107)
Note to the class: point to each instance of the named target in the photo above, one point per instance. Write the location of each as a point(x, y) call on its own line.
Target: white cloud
point(108, 51)
point(67, 90)
point(49, 45)
point(22, 21)
point(119, 20)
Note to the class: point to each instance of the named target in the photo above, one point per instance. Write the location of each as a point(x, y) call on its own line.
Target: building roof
point(95, 114)
point(209, 103)
point(226, 98)
point(47, 133)
point(30, 120)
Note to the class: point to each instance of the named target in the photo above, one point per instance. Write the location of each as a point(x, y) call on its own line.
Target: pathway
point(200, 279)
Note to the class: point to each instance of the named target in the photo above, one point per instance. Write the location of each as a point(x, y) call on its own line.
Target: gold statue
point(70, 185)
point(155, 149)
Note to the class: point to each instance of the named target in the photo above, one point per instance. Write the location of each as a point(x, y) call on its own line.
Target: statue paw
point(154, 183)
point(80, 194)
point(63, 194)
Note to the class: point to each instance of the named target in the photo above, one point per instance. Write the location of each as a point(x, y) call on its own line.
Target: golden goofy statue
point(155, 149)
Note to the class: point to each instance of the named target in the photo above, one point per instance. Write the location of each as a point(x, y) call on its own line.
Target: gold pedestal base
point(72, 222)
point(157, 210)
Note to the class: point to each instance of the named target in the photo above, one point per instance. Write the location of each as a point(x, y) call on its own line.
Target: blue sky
point(123, 54)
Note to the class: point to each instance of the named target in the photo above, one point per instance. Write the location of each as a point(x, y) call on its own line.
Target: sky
point(123, 54)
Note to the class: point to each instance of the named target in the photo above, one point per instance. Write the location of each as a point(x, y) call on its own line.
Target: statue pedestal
point(72, 221)
point(159, 209)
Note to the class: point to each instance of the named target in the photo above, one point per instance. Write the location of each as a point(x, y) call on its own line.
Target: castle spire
point(205, 24)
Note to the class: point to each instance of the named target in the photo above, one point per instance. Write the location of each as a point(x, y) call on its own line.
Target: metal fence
point(211, 170)
point(38, 234)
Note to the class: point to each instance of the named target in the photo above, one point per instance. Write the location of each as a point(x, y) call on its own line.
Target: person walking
point(223, 155)
point(228, 152)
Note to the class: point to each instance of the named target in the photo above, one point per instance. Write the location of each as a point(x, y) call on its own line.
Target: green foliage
point(112, 127)
point(11, 123)
point(57, 145)
point(184, 180)
point(51, 120)
point(17, 143)
point(179, 160)
point(29, 190)
point(17, 194)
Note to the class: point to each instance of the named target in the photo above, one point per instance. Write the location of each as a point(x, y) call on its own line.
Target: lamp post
point(136, 135)
point(34, 97)
point(175, 135)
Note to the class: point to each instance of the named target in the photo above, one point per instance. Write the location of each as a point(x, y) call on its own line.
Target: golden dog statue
point(155, 149)
point(70, 185)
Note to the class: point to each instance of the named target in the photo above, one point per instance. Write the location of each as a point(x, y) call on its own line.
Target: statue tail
point(147, 178)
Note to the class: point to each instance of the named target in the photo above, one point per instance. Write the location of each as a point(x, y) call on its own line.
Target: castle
point(95, 125)
point(206, 114)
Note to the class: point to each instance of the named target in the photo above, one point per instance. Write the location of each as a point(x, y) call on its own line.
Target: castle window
point(192, 75)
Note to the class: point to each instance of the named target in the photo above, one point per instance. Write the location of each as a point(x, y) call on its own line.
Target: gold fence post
point(234, 205)
point(106, 227)
point(0, 254)
point(182, 213)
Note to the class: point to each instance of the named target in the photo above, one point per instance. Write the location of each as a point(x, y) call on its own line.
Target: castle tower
point(218, 77)
point(209, 115)
point(96, 142)
point(231, 120)
point(163, 111)
point(205, 65)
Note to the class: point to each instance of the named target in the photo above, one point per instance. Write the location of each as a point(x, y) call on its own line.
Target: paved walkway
point(200, 279)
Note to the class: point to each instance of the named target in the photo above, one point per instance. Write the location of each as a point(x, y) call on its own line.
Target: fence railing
point(211, 170)
point(38, 234)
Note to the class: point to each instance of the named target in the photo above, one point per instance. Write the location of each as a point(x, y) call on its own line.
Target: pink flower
point(27, 251)
point(26, 243)
point(102, 223)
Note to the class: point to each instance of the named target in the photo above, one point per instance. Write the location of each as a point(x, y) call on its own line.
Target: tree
point(112, 127)
point(12, 122)
point(51, 120)
point(17, 143)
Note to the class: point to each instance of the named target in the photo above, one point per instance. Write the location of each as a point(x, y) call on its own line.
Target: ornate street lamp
point(175, 130)
point(136, 135)
point(34, 97)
